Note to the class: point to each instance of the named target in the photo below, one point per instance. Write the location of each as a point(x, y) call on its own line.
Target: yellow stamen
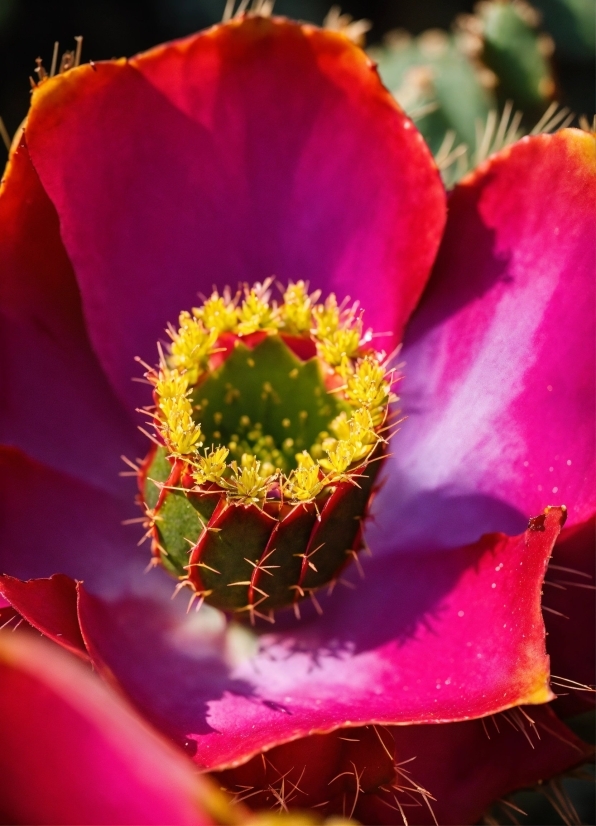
point(256, 312)
point(367, 386)
point(340, 455)
point(341, 344)
point(191, 346)
point(304, 483)
point(327, 317)
point(248, 484)
point(179, 431)
point(218, 312)
point(296, 311)
point(211, 466)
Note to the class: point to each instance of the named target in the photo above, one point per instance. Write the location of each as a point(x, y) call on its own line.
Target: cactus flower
point(263, 150)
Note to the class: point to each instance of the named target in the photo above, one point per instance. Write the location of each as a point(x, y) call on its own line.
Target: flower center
point(268, 417)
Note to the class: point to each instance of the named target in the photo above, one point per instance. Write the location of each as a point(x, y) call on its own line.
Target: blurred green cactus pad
point(469, 91)
point(504, 35)
point(270, 421)
point(435, 82)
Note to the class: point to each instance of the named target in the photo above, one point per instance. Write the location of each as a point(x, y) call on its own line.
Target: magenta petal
point(257, 148)
point(54, 523)
point(73, 753)
point(402, 647)
point(499, 359)
point(50, 605)
point(55, 402)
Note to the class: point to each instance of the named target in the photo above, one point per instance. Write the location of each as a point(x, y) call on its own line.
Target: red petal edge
point(452, 772)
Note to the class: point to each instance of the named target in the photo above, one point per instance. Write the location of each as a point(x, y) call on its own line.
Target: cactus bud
point(270, 423)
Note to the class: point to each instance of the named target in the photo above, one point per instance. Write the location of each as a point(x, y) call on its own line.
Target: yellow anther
point(341, 344)
point(218, 312)
point(247, 482)
point(305, 460)
point(340, 426)
point(191, 346)
point(340, 455)
point(362, 435)
point(367, 386)
point(180, 432)
point(211, 466)
point(256, 312)
point(304, 483)
point(170, 383)
point(296, 310)
point(326, 317)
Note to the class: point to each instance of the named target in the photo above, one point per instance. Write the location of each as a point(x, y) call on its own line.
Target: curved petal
point(258, 148)
point(569, 617)
point(48, 371)
point(50, 605)
point(402, 647)
point(499, 359)
point(54, 523)
point(72, 752)
point(450, 773)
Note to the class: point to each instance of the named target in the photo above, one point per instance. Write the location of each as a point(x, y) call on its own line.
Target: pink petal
point(50, 605)
point(499, 360)
point(463, 767)
point(257, 148)
point(403, 647)
point(55, 402)
point(72, 752)
point(54, 523)
point(569, 617)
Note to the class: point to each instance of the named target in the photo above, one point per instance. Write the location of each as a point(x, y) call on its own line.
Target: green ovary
point(268, 403)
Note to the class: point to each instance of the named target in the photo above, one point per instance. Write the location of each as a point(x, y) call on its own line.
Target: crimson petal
point(405, 646)
point(72, 752)
point(258, 148)
point(499, 359)
point(50, 605)
point(56, 403)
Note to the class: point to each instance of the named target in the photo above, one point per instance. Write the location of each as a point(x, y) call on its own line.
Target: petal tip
point(541, 694)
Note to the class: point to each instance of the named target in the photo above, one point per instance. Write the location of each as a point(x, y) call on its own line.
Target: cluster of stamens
point(250, 467)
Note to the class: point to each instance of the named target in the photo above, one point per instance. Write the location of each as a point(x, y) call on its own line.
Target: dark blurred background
point(116, 28)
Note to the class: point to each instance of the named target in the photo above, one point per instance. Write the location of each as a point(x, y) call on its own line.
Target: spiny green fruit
point(270, 423)
point(436, 84)
point(460, 87)
point(572, 24)
point(504, 36)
